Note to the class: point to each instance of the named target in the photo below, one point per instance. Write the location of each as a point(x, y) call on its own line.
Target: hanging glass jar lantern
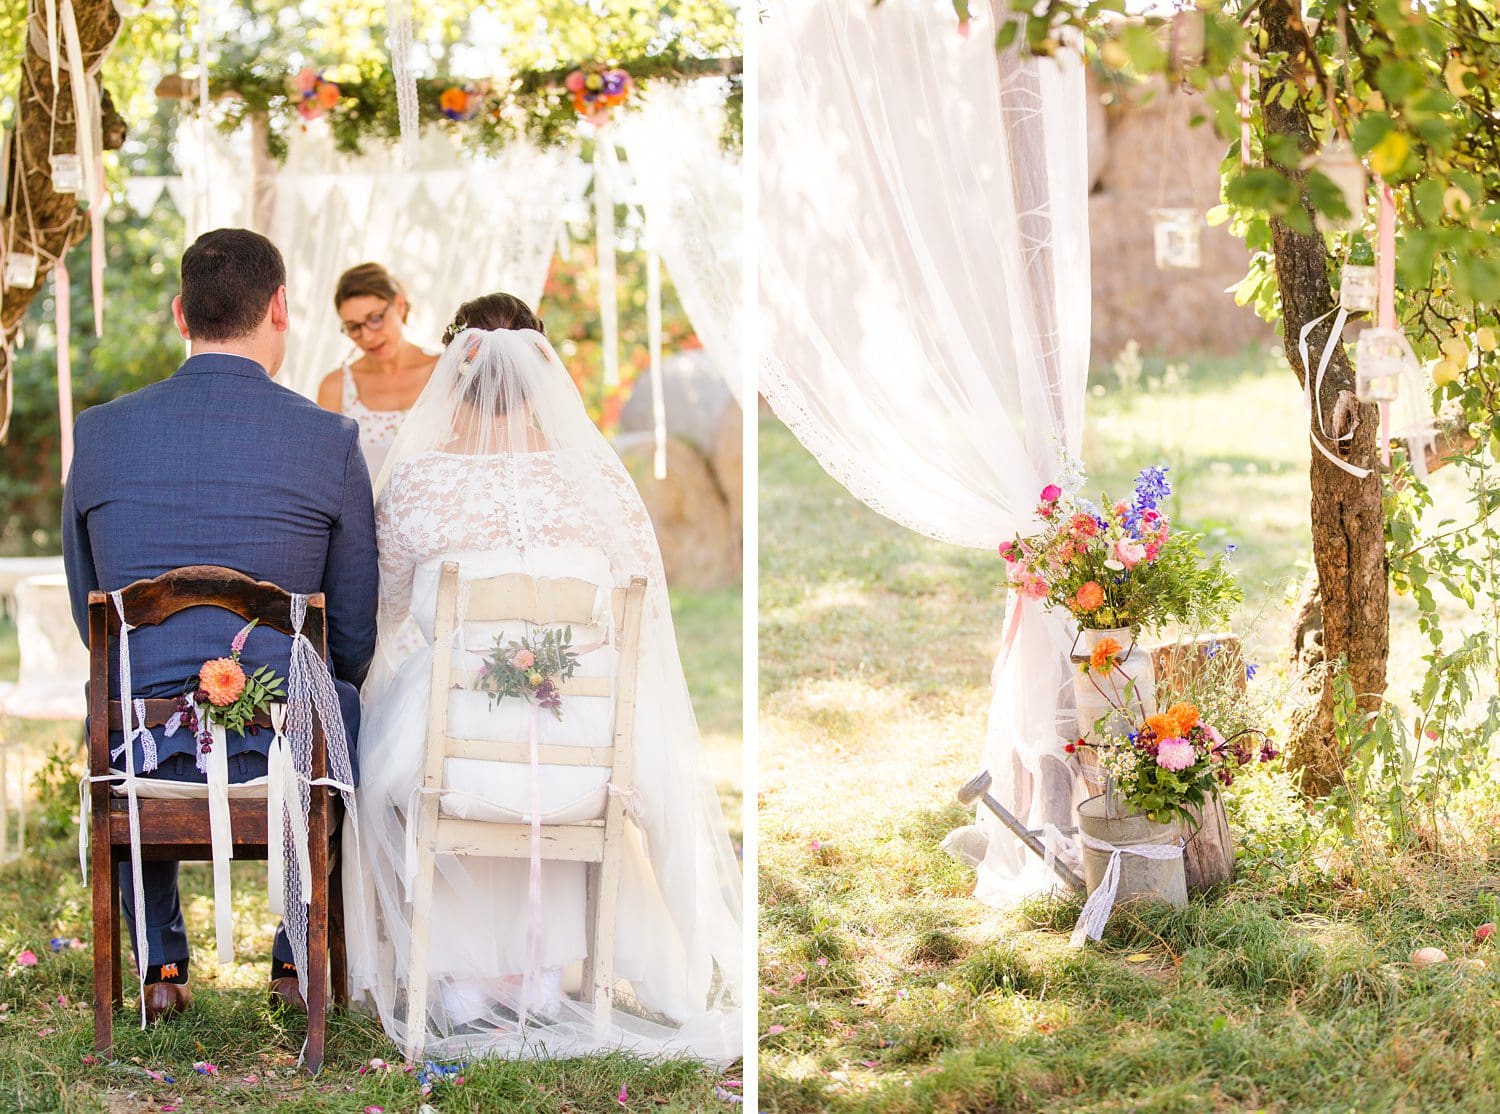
point(1338, 162)
point(1358, 288)
point(20, 270)
point(1178, 239)
point(67, 174)
point(1382, 359)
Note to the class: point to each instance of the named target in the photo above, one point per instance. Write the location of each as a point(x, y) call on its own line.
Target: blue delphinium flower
point(1250, 671)
point(1212, 651)
point(1151, 487)
point(1231, 549)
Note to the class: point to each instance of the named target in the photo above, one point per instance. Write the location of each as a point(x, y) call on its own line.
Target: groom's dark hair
point(229, 277)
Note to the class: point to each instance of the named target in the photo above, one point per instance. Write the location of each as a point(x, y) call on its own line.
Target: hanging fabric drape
point(455, 227)
point(692, 192)
point(924, 294)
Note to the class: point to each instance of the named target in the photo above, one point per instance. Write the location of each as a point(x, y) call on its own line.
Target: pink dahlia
point(1175, 754)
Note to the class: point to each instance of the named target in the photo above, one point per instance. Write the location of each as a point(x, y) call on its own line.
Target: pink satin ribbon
point(63, 317)
point(1385, 305)
point(534, 889)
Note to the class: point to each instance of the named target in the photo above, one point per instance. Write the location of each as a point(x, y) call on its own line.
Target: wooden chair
point(520, 598)
point(179, 829)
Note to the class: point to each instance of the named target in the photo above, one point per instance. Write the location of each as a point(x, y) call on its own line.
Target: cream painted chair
point(598, 841)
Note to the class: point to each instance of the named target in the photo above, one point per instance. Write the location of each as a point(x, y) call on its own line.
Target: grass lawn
point(46, 1028)
point(885, 986)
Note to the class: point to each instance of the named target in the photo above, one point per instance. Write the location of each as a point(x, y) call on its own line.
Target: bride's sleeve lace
point(635, 551)
point(396, 540)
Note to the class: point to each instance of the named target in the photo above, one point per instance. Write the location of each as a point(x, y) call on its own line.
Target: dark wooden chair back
point(179, 829)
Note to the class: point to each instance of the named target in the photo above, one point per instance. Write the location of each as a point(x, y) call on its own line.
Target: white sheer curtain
point(924, 293)
point(692, 194)
point(455, 226)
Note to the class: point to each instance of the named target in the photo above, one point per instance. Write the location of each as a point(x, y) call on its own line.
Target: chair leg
point(602, 946)
point(338, 952)
point(421, 909)
point(591, 919)
point(104, 895)
point(116, 956)
point(317, 933)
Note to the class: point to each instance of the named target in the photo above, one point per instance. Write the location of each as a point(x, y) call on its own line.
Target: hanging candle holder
point(1416, 424)
point(1178, 239)
point(67, 174)
point(1358, 287)
point(1382, 359)
point(1340, 165)
point(20, 270)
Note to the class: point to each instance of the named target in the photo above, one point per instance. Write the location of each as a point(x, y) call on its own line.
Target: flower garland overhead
point(359, 102)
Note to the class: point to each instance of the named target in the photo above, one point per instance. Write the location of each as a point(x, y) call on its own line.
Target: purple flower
point(1230, 549)
point(1250, 671)
point(1151, 487)
point(1212, 651)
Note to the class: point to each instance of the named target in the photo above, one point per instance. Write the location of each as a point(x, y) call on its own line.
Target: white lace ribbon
point(1101, 902)
point(310, 692)
point(283, 820)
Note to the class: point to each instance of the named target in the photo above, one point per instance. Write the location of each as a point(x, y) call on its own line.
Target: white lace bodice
point(440, 503)
point(377, 428)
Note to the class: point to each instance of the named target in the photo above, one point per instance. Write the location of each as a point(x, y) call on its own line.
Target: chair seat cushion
point(500, 792)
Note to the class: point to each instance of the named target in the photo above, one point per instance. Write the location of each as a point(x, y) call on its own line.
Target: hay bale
point(688, 511)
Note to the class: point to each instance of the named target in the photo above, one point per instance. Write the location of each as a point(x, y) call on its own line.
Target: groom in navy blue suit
point(218, 465)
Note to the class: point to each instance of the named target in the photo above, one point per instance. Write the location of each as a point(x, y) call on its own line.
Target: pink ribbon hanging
point(63, 322)
point(1385, 303)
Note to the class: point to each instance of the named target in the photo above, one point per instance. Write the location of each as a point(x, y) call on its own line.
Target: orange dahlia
point(1162, 725)
point(1102, 659)
point(223, 680)
point(1090, 596)
point(1184, 717)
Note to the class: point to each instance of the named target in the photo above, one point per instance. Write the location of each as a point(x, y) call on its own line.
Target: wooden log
point(1208, 856)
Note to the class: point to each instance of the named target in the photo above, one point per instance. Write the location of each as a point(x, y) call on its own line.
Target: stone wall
point(1144, 154)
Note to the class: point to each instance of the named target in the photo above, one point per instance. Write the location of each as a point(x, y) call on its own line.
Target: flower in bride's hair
point(222, 680)
point(523, 659)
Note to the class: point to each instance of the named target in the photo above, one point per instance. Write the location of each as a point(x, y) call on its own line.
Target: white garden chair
point(517, 598)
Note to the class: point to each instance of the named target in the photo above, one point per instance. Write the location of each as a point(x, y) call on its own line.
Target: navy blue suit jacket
point(218, 465)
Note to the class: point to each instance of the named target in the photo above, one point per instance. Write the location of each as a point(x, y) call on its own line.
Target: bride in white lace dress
point(499, 468)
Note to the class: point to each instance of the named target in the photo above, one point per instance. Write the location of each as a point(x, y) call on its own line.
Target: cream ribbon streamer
point(1313, 390)
point(606, 167)
point(128, 707)
point(221, 837)
point(1101, 902)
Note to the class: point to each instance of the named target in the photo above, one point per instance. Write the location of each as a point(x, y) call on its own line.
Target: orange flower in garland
point(1102, 659)
point(598, 92)
point(222, 680)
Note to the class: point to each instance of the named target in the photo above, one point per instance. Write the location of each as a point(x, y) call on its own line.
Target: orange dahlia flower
point(223, 680)
point(1162, 725)
point(1090, 596)
point(1102, 659)
point(1184, 717)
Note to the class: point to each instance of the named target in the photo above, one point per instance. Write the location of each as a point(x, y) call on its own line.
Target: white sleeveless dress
point(377, 428)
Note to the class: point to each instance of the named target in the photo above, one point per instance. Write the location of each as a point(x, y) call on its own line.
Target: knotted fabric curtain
point(924, 295)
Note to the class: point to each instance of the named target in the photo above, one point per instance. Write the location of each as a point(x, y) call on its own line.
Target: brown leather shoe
point(286, 992)
point(164, 999)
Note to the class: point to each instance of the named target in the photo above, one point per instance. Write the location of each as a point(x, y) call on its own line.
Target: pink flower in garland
point(1051, 493)
point(1175, 754)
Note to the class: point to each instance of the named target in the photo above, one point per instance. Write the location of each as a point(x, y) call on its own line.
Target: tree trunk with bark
point(58, 219)
point(1348, 520)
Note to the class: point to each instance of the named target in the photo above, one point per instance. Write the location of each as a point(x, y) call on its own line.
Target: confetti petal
point(775, 1030)
point(1138, 957)
point(624, 1096)
point(26, 959)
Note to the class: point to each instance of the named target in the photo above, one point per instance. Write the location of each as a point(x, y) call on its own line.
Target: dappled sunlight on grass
point(886, 987)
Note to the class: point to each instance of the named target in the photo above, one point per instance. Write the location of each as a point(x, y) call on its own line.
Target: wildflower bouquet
point(1119, 564)
point(531, 668)
point(225, 694)
point(1174, 762)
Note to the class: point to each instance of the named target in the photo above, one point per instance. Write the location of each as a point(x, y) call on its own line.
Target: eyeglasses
point(352, 329)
